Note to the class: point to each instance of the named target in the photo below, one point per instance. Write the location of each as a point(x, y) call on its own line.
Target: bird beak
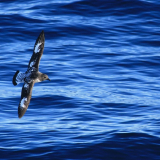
point(48, 79)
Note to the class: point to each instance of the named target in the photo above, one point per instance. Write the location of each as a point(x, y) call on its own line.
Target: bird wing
point(37, 52)
point(26, 94)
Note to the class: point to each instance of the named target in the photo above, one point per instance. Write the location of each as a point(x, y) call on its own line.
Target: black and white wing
point(18, 78)
point(26, 94)
point(37, 52)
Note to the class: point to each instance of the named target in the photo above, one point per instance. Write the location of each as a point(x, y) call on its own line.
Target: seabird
point(31, 76)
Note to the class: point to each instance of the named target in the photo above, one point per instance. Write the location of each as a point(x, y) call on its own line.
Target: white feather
point(32, 63)
point(37, 47)
point(26, 85)
point(22, 102)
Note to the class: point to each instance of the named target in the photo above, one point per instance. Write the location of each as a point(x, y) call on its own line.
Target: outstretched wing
point(25, 98)
point(37, 52)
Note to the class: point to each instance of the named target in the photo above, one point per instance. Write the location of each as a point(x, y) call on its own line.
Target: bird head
point(44, 77)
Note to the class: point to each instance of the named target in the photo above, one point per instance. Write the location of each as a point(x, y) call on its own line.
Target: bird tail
point(18, 78)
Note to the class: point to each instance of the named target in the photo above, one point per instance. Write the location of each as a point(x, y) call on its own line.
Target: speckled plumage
point(31, 76)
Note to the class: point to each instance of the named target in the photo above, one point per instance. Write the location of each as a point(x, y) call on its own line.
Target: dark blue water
point(103, 58)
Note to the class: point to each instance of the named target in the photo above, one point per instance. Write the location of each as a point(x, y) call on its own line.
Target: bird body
point(31, 76)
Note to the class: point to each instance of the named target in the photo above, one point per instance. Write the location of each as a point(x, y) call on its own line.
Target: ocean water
point(103, 100)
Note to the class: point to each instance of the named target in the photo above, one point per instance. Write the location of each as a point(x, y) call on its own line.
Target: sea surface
point(103, 100)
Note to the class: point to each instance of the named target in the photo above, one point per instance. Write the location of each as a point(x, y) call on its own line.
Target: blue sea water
point(103, 100)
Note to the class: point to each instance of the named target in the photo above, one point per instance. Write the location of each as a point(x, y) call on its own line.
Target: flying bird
point(31, 76)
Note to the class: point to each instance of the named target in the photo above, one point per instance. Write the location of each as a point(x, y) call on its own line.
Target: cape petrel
point(31, 76)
